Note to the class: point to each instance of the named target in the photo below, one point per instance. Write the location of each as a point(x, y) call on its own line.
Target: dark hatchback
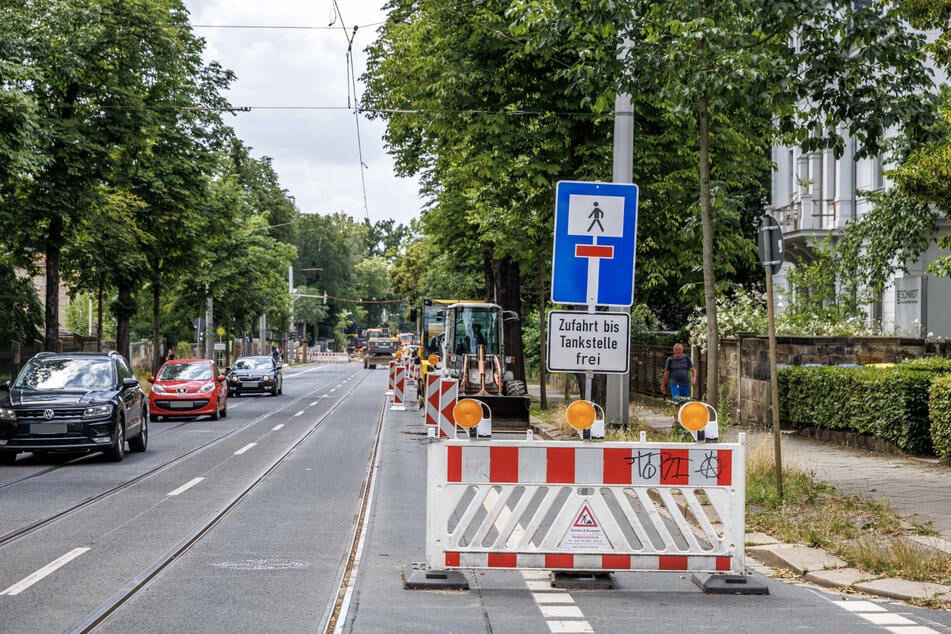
point(73, 402)
point(255, 374)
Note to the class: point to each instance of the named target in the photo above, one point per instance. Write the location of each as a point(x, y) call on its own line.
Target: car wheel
point(141, 442)
point(216, 415)
point(8, 457)
point(224, 410)
point(274, 390)
point(280, 387)
point(116, 452)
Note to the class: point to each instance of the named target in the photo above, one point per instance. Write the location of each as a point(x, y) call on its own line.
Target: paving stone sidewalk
point(920, 490)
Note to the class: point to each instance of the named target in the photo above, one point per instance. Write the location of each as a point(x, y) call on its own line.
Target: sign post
point(770, 242)
point(592, 265)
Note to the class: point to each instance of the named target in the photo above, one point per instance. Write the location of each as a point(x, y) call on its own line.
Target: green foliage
point(887, 403)
point(939, 406)
point(21, 313)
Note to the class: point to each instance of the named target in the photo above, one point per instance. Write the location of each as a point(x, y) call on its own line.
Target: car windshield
point(185, 372)
point(253, 363)
point(67, 374)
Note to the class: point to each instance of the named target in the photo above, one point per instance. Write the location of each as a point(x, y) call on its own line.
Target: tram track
point(136, 586)
point(45, 522)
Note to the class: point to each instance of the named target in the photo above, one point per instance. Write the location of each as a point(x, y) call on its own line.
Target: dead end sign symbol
point(595, 231)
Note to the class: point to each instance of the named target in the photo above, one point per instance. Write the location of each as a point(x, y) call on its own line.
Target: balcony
point(806, 222)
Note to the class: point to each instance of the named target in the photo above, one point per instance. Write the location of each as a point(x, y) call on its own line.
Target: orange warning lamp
point(693, 415)
point(433, 359)
point(581, 414)
point(467, 413)
point(399, 355)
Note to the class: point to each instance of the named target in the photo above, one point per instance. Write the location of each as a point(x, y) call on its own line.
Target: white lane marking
point(552, 597)
point(537, 584)
point(277, 427)
point(561, 611)
point(43, 572)
point(314, 403)
point(877, 614)
point(569, 627)
point(860, 606)
point(245, 448)
point(186, 486)
point(300, 413)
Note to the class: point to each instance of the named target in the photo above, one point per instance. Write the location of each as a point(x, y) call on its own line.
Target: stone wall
point(744, 363)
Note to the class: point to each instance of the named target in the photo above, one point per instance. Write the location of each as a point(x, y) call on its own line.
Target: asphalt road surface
point(300, 513)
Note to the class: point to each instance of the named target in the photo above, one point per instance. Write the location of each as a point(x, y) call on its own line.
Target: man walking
point(679, 371)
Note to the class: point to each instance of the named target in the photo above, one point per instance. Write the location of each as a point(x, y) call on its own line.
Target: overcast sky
point(295, 81)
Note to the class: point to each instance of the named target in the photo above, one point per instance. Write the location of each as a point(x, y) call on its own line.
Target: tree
point(815, 70)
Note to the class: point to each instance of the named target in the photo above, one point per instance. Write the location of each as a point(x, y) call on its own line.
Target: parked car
point(188, 388)
point(72, 402)
point(255, 374)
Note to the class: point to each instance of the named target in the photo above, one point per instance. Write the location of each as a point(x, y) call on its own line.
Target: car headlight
point(98, 410)
point(267, 378)
point(233, 378)
point(159, 389)
point(207, 387)
point(7, 413)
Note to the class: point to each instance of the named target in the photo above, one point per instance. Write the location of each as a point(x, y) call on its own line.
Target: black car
point(66, 402)
point(255, 374)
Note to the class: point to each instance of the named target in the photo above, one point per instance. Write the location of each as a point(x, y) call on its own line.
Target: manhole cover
point(261, 564)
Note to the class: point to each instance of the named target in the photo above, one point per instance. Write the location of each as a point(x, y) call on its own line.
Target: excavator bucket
point(509, 413)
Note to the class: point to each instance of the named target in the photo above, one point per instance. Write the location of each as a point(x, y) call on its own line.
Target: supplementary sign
point(581, 342)
point(595, 230)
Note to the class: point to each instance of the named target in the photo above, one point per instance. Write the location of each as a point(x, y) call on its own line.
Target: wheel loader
point(473, 351)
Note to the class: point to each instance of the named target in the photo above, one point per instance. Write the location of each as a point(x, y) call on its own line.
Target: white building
point(814, 195)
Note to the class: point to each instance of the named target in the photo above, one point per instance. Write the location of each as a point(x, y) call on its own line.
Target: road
point(299, 513)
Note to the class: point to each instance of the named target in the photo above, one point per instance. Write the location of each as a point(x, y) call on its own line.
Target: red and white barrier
point(448, 396)
point(399, 385)
point(391, 379)
point(557, 505)
point(432, 399)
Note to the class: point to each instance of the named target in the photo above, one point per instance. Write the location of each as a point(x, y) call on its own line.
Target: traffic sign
point(769, 239)
point(582, 342)
point(595, 233)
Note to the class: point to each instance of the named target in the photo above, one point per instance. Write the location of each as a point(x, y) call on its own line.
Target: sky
point(295, 81)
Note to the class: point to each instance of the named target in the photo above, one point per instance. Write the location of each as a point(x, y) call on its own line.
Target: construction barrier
point(328, 357)
point(570, 505)
point(431, 410)
point(391, 379)
point(399, 386)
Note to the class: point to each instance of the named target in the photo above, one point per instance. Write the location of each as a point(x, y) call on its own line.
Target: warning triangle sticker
point(585, 533)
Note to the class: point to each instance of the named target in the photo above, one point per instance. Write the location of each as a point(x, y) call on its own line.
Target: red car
point(188, 388)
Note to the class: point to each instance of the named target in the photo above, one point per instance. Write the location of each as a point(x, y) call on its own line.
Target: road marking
point(300, 413)
point(186, 486)
point(877, 614)
point(277, 427)
point(555, 604)
point(43, 572)
point(245, 448)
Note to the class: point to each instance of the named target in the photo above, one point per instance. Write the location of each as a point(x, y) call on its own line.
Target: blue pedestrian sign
point(595, 233)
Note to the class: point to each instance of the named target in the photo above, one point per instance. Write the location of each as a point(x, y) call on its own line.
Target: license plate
point(48, 428)
point(180, 404)
point(249, 384)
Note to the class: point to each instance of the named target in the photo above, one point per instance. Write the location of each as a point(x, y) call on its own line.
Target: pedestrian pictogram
point(595, 230)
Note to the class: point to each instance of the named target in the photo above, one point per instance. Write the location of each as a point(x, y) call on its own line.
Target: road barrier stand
point(584, 510)
point(391, 378)
point(431, 409)
point(399, 386)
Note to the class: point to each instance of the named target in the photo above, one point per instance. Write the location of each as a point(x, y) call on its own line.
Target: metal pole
point(773, 381)
point(618, 386)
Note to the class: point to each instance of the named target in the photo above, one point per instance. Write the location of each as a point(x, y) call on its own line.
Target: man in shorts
point(679, 373)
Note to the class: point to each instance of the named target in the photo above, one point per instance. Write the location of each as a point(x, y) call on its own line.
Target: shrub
point(887, 403)
point(939, 406)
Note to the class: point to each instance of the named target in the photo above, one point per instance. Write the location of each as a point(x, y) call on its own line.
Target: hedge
point(939, 402)
point(887, 403)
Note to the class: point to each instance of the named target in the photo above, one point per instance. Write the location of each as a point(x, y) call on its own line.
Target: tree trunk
point(156, 311)
point(99, 316)
point(53, 242)
point(125, 308)
point(709, 273)
point(506, 290)
point(542, 339)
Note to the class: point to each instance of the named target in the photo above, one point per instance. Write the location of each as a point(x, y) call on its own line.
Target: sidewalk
point(920, 490)
point(917, 489)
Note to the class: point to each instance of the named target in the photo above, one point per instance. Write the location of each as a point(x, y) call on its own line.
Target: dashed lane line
point(43, 572)
point(185, 487)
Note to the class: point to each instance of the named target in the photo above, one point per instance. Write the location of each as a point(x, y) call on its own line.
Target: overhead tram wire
point(352, 82)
